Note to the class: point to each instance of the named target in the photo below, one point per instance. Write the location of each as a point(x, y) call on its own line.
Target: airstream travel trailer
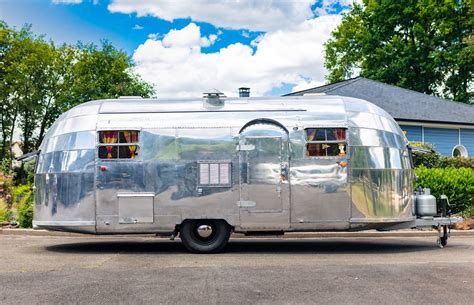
point(203, 168)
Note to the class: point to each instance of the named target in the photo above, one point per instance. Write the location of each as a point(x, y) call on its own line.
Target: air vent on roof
point(244, 92)
point(213, 98)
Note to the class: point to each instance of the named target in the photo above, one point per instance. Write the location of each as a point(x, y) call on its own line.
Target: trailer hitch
point(444, 232)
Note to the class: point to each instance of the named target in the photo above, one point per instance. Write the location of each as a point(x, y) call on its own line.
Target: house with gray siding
point(446, 124)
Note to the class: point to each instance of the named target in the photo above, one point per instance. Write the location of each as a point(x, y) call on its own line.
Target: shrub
point(427, 146)
point(25, 212)
point(6, 183)
point(432, 159)
point(429, 160)
point(20, 192)
point(5, 213)
point(456, 162)
point(25, 173)
point(456, 183)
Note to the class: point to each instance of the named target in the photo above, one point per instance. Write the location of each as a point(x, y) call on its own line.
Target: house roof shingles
point(402, 104)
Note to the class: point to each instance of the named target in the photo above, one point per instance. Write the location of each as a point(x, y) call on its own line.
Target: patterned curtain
point(340, 134)
point(131, 137)
point(109, 137)
point(311, 134)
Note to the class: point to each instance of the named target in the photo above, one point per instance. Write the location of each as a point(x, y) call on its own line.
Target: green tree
point(39, 81)
point(423, 45)
point(105, 72)
point(6, 109)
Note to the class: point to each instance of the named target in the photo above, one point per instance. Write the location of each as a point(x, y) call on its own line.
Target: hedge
point(433, 159)
point(456, 183)
point(5, 213)
point(25, 212)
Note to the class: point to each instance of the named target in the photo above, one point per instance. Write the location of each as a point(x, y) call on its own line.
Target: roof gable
point(402, 104)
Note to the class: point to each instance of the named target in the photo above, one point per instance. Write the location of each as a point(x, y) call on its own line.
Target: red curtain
point(131, 137)
point(340, 134)
point(109, 137)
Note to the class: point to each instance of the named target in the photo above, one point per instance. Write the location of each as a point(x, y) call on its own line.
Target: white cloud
point(137, 27)
point(176, 65)
point(187, 37)
point(331, 6)
point(244, 14)
point(153, 36)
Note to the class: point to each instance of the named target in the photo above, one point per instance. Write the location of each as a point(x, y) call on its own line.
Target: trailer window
point(118, 144)
point(214, 173)
point(325, 142)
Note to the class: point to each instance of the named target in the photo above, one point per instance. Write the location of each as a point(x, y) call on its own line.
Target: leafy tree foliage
point(39, 81)
point(423, 45)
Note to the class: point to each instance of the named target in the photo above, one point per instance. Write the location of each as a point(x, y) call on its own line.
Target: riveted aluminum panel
point(135, 208)
point(372, 121)
point(383, 193)
point(176, 135)
point(75, 124)
point(375, 137)
point(70, 141)
point(363, 157)
point(65, 197)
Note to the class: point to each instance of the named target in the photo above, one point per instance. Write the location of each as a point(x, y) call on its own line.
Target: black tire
point(211, 244)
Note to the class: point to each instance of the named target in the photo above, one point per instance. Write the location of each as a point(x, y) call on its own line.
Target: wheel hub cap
point(204, 231)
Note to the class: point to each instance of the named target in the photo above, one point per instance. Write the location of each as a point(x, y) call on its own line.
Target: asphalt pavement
point(147, 270)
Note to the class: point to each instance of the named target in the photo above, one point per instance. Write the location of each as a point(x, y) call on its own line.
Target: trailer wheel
point(205, 236)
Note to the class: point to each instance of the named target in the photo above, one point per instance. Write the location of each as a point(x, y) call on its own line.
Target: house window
point(214, 173)
point(326, 142)
point(459, 151)
point(118, 144)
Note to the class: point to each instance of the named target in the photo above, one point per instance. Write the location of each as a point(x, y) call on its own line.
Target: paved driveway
point(41, 269)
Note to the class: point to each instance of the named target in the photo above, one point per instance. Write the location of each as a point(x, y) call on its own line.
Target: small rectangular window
point(108, 152)
point(214, 173)
point(326, 142)
point(123, 144)
point(325, 134)
point(316, 134)
point(325, 150)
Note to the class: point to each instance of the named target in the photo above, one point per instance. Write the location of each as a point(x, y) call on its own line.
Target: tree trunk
point(44, 121)
point(11, 137)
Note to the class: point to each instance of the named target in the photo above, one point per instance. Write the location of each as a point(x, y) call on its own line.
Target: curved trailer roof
point(189, 113)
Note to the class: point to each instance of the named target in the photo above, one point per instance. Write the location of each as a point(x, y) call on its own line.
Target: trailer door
point(264, 167)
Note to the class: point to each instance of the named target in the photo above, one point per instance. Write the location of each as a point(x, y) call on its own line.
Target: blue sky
point(89, 22)
point(252, 43)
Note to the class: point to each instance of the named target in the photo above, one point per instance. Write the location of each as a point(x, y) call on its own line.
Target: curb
point(288, 235)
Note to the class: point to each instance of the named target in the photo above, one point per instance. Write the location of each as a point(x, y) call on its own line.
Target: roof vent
point(130, 97)
point(244, 92)
point(213, 98)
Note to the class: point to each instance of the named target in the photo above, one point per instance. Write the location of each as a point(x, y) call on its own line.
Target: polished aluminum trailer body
point(244, 161)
